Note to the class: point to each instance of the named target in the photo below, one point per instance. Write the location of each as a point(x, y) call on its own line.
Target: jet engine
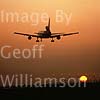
point(58, 37)
point(29, 38)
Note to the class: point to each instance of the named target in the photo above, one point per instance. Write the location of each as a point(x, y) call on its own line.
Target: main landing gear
point(41, 40)
point(52, 40)
point(38, 40)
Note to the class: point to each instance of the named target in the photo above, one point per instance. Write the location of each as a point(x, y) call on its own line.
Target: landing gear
point(52, 40)
point(37, 40)
point(41, 39)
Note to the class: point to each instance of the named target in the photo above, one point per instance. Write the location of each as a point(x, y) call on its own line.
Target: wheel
point(52, 40)
point(37, 40)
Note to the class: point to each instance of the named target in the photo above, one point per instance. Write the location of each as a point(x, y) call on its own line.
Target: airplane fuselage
point(44, 34)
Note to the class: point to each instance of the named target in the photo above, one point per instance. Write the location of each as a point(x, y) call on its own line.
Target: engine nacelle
point(29, 38)
point(58, 37)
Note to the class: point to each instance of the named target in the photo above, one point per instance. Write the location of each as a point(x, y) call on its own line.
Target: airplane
point(46, 34)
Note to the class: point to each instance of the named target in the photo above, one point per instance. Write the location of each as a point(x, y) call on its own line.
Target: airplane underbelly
point(45, 36)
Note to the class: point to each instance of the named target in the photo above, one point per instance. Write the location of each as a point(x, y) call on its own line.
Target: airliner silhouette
point(46, 34)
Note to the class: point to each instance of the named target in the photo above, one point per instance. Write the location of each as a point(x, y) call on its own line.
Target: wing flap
point(70, 34)
point(63, 34)
point(34, 35)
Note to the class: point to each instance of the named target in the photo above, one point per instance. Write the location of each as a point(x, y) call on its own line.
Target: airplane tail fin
point(49, 23)
point(48, 27)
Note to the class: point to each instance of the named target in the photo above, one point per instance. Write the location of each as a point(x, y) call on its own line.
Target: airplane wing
point(63, 34)
point(34, 35)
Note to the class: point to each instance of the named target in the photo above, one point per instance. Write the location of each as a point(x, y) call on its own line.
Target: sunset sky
point(73, 54)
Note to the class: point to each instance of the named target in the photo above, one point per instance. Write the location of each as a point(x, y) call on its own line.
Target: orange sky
point(71, 54)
